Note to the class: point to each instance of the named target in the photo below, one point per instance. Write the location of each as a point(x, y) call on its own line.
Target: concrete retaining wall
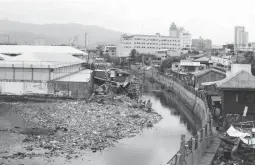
point(191, 150)
point(194, 100)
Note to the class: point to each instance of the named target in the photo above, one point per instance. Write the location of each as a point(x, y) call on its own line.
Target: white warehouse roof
point(41, 60)
point(5, 57)
point(19, 49)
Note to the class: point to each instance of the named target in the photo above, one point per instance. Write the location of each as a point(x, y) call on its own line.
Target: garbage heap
point(237, 145)
point(70, 126)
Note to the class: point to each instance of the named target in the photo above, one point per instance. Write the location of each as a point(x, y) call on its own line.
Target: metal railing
point(174, 160)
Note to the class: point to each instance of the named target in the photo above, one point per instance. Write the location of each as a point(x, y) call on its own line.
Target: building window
point(237, 97)
point(245, 97)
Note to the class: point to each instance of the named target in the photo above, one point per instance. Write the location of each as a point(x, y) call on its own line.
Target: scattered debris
point(68, 127)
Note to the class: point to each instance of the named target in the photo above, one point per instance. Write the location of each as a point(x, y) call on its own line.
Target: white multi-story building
point(173, 30)
point(147, 44)
point(110, 49)
point(241, 37)
point(185, 38)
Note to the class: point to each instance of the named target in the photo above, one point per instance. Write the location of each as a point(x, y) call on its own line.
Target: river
point(153, 146)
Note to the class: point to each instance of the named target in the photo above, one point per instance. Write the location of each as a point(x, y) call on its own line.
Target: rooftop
point(144, 35)
point(41, 60)
point(240, 80)
point(203, 72)
point(189, 63)
point(202, 59)
point(5, 57)
point(19, 49)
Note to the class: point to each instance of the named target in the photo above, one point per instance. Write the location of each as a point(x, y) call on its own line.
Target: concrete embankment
point(196, 110)
point(194, 100)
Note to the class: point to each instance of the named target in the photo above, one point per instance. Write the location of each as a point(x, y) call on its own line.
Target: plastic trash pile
point(68, 126)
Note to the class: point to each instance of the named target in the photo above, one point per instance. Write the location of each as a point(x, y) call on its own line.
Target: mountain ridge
point(56, 33)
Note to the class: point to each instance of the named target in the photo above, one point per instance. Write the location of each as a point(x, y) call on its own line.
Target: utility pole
point(86, 40)
point(237, 54)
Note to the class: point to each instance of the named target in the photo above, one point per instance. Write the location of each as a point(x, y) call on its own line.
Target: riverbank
point(65, 128)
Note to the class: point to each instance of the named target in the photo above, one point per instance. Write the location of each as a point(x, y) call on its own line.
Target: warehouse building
point(41, 73)
point(15, 50)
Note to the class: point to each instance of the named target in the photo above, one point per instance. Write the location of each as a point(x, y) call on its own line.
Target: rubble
point(67, 127)
point(234, 148)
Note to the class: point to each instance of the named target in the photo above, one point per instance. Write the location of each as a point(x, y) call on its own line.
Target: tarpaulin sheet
point(235, 133)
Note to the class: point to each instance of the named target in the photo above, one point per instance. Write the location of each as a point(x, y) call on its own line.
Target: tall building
point(202, 44)
point(148, 44)
point(181, 33)
point(241, 37)
point(185, 38)
point(178, 39)
point(173, 31)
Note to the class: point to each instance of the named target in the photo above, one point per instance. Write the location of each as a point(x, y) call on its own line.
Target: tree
point(133, 54)
point(100, 48)
point(108, 57)
point(167, 63)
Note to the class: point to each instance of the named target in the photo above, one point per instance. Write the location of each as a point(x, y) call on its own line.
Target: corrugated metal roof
point(240, 80)
point(18, 49)
point(41, 60)
point(203, 59)
point(203, 72)
point(189, 63)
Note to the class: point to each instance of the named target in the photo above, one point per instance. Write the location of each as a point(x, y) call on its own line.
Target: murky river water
point(154, 146)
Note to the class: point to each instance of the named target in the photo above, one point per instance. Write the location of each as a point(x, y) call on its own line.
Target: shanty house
point(208, 75)
point(189, 66)
point(204, 60)
point(238, 91)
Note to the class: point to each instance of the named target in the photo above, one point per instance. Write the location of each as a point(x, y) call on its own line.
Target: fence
point(190, 151)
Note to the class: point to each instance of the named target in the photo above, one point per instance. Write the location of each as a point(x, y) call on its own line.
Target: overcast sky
point(213, 19)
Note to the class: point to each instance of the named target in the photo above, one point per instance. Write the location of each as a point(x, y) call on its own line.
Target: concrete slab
point(209, 154)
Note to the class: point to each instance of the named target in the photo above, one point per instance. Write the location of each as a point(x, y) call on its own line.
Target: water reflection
point(169, 99)
point(153, 146)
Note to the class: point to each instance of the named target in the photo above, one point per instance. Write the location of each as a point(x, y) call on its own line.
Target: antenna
point(86, 40)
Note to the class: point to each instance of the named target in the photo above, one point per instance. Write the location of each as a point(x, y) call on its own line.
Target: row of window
point(145, 39)
point(151, 47)
point(170, 40)
point(170, 44)
point(245, 97)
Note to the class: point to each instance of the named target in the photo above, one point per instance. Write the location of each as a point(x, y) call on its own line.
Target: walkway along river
point(153, 146)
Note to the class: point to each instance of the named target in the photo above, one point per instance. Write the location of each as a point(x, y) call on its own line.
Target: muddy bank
point(66, 128)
